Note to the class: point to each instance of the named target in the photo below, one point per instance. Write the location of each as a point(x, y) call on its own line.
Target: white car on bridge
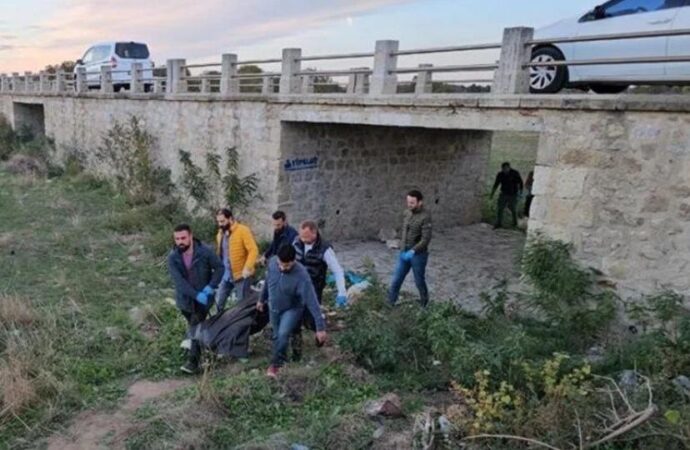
point(613, 17)
point(120, 56)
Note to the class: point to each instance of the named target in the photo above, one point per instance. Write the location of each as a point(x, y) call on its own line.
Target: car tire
point(547, 79)
point(608, 88)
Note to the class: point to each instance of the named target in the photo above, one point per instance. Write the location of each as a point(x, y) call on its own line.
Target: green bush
point(8, 138)
point(563, 291)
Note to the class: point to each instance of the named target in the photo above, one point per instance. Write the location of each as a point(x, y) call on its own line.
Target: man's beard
point(224, 227)
point(182, 248)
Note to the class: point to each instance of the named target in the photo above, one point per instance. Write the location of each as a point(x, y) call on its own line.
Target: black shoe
point(190, 368)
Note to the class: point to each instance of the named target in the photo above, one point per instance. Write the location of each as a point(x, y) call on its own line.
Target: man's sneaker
point(190, 368)
point(186, 344)
point(272, 371)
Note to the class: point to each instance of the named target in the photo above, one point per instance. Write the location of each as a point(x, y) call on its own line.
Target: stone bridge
point(611, 175)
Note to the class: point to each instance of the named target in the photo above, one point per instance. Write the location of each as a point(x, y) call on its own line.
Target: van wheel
point(608, 88)
point(547, 79)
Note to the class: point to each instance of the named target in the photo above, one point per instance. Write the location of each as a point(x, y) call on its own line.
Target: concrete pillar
point(16, 82)
point(289, 81)
point(424, 84)
point(4, 83)
point(59, 82)
point(137, 84)
point(80, 81)
point(357, 81)
point(106, 79)
point(158, 86)
point(205, 84)
point(267, 86)
point(383, 81)
point(28, 82)
point(175, 82)
point(511, 77)
point(307, 84)
point(229, 84)
point(43, 82)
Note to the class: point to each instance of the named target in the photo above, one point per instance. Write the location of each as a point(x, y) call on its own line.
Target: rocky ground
point(463, 262)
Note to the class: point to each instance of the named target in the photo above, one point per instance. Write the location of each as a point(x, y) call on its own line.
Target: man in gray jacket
point(288, 290)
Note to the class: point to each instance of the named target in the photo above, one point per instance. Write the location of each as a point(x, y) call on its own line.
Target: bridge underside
point(611, 173)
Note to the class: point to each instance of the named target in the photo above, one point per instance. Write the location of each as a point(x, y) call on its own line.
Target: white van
point(120, 56)
point(612, 17)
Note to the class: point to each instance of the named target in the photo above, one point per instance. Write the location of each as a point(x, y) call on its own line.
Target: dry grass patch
point(26, 165)
point(16, 311)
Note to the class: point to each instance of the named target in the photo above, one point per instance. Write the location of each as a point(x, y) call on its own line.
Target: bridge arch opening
point(29, 119)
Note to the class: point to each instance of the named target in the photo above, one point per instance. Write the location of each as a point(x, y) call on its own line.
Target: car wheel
point(547, 79)
point(608, 88)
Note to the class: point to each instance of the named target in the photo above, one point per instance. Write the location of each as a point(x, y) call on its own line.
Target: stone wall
point(616, 185)
point(353, 178)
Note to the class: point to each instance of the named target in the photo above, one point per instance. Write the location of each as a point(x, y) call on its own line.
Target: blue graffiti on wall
point(301, 164)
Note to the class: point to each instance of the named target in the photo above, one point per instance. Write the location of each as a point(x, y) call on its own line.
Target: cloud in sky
point(175, 28)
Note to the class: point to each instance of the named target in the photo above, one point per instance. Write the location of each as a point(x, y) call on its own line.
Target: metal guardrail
point(510, 73)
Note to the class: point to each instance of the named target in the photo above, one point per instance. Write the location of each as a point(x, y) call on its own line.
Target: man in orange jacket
point(237, 249)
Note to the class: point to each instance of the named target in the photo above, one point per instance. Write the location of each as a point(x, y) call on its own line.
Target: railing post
point(81, 80)
point(383, 80)
point(3, 83)
point(512, 77)
point(308, 84)
point(205, 84)
point(267, 86)
point(424, 85)
point(28, 82)
point(137, 84)
point(158, 86)
point(175, 83)
point(43, 82)
point(59, 82)
point(289, 81)
point(15, 82)
point(106, 79)
point(356, 81)
point(229, 84)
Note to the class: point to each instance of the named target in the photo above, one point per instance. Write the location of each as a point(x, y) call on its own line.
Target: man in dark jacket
point(196, 272)
point(283, 234)
point(511, 188)
point(289, 292)
point(318, 257)
point(416, 236)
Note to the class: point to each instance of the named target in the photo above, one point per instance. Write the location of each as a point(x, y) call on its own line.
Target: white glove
point(246, 273)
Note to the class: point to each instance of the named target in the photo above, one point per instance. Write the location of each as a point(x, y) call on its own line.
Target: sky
point(35, 33)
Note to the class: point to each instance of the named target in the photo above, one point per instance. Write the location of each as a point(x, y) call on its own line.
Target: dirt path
point(89, 428)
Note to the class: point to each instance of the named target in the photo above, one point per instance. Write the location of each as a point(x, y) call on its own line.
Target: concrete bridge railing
point(510, 73)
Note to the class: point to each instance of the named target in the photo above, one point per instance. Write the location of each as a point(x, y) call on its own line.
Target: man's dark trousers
point(509, 201)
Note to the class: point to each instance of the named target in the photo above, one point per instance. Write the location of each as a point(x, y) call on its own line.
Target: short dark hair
point(224, 212)
point(182, 227)
point(286, 253)
point(309, 224)
point(416, 194)
point(279, 215)
point(505, 164)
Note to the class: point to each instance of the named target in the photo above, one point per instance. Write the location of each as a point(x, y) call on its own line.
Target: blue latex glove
point(208, 290)
point(202, 298)
point(407, 256)
point(341, 301)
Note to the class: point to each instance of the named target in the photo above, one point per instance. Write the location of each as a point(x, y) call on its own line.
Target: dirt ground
point(463, 262)
point(89, 429)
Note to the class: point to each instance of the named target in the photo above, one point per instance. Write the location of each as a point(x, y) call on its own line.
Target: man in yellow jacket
point(237, 249)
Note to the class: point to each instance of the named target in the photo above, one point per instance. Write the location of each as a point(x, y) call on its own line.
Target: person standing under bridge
point(511, 185)
point(416, 236)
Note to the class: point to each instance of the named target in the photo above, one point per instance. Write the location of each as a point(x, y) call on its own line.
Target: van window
point(100, 53)
point(131, 50)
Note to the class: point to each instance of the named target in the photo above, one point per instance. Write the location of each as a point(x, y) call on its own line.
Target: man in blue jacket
point(196, 272)
point(288, 291)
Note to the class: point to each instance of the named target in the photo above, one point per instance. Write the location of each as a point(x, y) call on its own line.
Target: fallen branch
point(510, 437)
